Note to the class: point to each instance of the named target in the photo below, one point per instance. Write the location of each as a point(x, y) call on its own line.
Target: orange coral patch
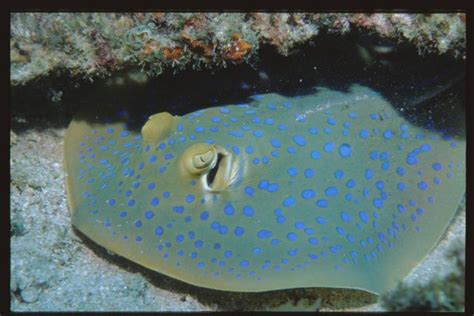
point(197, 46)
point(237, 49)
point(172, 53)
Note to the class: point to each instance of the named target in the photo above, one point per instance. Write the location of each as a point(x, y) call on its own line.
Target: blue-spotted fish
point(323, 190)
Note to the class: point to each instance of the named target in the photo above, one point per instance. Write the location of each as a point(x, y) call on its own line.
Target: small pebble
point(29, 295)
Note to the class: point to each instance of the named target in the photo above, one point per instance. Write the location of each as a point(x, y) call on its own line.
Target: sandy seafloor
point(55, 268)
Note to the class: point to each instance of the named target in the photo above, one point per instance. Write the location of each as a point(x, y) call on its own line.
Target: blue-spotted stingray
point(324, 190)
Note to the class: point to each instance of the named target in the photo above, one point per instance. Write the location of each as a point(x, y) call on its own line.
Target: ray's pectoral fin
point(215, 166)
point(159, 126)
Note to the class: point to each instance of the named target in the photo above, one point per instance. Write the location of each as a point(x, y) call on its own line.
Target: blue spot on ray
point(329, 147)
point(345, 150)
point(149, 215)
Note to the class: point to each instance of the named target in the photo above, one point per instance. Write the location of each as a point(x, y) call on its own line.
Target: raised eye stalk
point(212, 164)
point(201, 161)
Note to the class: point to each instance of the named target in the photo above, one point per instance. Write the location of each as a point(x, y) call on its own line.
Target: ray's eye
point(201, 161)
point(199, 158)
point(212, 164)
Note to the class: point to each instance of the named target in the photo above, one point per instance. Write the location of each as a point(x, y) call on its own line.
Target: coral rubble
point(89, 45)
